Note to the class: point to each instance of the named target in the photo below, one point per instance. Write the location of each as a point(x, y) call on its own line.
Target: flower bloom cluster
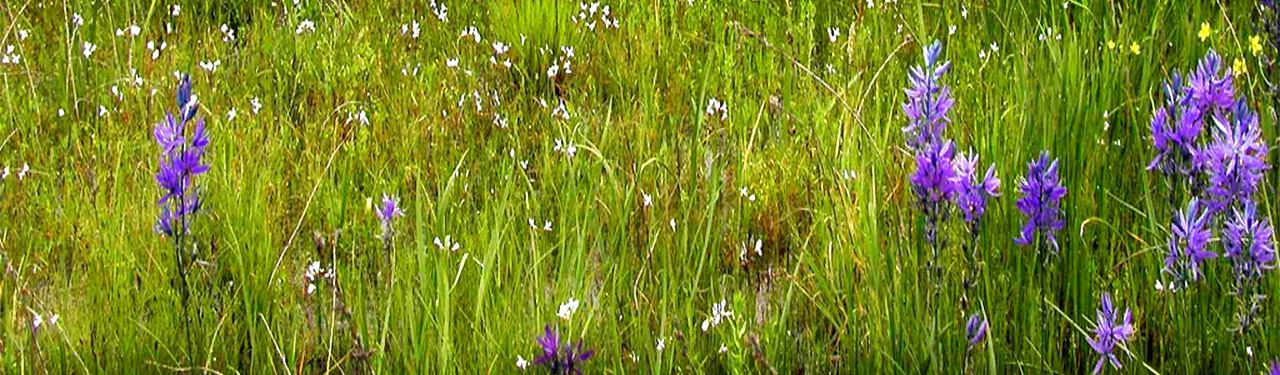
point(180, 161)
point(1110, 333)
point(1042, 193)
point(1188, 239)
point(560, 358)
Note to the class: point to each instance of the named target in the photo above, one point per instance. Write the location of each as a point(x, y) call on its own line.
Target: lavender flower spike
point(1109, 334)
point(1042, 194)
point(1174, 129)
point(976, 329)
point(927, 100)
point(180, 161)
point(1208, 90)
point(1249, 243)
point(387, 213)
point(934, 184)
point(973, 191)
point(1237, 158)
point(561, 358)
point(1189, 236)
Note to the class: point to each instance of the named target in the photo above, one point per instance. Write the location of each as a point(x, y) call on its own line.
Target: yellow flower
point(1137, 50)
point(1239, 67)
point(1204, 31)
point(1111, 44)
point(1255, 44)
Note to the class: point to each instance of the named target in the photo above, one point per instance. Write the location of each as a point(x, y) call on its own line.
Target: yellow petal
point(1137, 50)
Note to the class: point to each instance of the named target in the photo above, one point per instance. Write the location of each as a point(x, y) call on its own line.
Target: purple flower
point(388, 212)
point(1174, 129)
point(1208, 89)
point(1042, 194)
point(976, 330)
point(1187, 242)
point(1248, 242)
point(1274, 368)
point(934, 183)
point(180, 161)
point(927, 100)
point(1109, 334)
point(1236, 159)
point(560, 358)
point(972, 190)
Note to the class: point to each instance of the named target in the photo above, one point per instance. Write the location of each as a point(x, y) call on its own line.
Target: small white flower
point(833, 33)
point(53, 321)
point(546, 227)
point(661, 344)
point(231, 115)
point(448, 244)
point(311, 288)
point(305, 26)
point(1249, 350)
point(176, 10)
point(76, 19)
point(102, 111)
point(210, 66)
point(648, 200)
point(88, 49)
point(521, 363)
point(994, 48)
point(452, 63)
point(952, 30)
point(5, 175)
point(134, 30)
point(553, 70)
point(256, 104)
point(37, 320)
point(61, 112)
point(673, 225)
point(568, 308)
point(499, 48)
point(723, 349)
point(964, 12)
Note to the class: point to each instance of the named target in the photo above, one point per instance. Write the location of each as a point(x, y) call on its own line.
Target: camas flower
point(934, 183)
point(1042, 194)
point(1248, 242)
point(560, 358)
point(976, 329)
point(1236, 159)
point(180, 160)
point(1109, 334)
point(1189, 236)
point(387, 213)
point(1174, 129)
point(972, 190)
point(1209, 89)
point(927, 100)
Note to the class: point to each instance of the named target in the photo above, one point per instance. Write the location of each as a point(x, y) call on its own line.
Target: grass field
point(684, 186)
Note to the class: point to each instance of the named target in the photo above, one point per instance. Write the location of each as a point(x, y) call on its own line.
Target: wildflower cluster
point(1222, 175)
point(1042, 193)
point(1110, 334)
point(180, 161)
point(560, 358)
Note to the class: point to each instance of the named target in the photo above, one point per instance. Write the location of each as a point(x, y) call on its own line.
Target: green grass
point(839, 287)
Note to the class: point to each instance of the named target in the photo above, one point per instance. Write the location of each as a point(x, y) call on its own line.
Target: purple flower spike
point(972, 190)
point(560, 358)
point(1174, 129)
point(388, 212)
point(1208, 89)
point(1236, 159)
point(976, 330)
point(181, 159)
point(927, 100)
point(1274, 368)
point(934, 184)
point(1042, 194)
point(1187, 242)
point(1110, 334)
point(1249, 244)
